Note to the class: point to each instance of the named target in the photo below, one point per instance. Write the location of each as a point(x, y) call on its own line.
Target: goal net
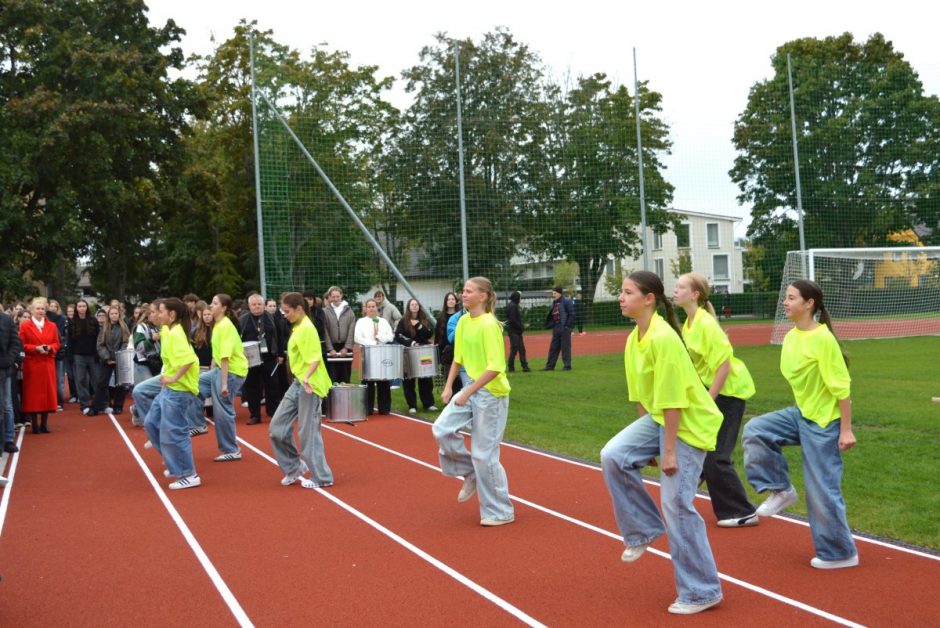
point(870, 292)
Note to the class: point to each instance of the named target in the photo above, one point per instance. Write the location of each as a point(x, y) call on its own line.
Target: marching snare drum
point(347, 403)
point(381, 362)
point(252, 352)
point(420, 361)
point(124, 367)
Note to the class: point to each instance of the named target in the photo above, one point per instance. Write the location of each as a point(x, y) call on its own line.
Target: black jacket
point(422, 334)
point(252, 328)
point(565, 314)
point(84, 335)
point(10, 345)
point(514, 315)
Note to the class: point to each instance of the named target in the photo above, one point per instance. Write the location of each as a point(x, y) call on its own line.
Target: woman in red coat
point(40, 342)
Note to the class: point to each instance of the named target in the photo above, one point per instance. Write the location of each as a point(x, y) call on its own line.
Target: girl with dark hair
point(302, 402)
point(442, 339)
point(167, 422)
point(729, 383)
point(225, 378)
point(413, 330)
point(202, 335)
point(515, 329)
point(483, 403)
point(112, 338)
point(678, 422)
point(370, 330)
point(820, 422)
point(84, 342)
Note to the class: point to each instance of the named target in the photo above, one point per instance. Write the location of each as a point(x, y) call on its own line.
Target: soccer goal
point(870, 292)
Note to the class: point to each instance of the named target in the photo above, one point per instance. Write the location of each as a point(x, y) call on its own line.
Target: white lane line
point(613, 535)
point(8, 489)
point(863, 539)
point(417, 551)
point(227, 596)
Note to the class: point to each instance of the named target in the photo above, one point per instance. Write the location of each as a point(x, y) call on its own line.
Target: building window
point(658, 268)
point(711, 233)
point(611, 269)
point(657, 241)
point(683, 236)
point(719, 268)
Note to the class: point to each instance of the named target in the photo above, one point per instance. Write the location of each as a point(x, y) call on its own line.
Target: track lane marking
point(8, 489)
point(583, 524)
point(227, 596)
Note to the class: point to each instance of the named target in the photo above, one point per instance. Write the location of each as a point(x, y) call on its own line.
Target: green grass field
point(892, 477)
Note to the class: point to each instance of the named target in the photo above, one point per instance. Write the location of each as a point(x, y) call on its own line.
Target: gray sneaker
point(777, 501)
point(468, 489)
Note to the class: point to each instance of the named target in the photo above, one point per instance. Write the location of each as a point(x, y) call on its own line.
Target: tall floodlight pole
point(254, 138)
point(463, 196)
point(796, 158)
point(639, 154)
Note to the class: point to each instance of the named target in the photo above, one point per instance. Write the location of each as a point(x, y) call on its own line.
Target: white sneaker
point(198, 431)
point(819, 563)
point(244, 404)
point(290, 478)
point(432, 408)
point(166, 473)
point(468, 489)
point(190, 481)
point(684, 608)
point(3, 480)
point(86, 411)
point(232, 455)
point(740, 522)
point(412, 411)
point(304, 482)
point(490, 522)
point(777, 501)
point(148, 445)
point(109, 410)
point(633, 552)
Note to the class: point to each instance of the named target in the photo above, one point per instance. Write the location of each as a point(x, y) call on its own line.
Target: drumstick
point(275, 369)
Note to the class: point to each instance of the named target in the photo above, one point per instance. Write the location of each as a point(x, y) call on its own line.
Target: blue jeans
point(636, 513)
point(168, 427)
point(6, 396)
point(298, 404)
point(60, 380)
point(223, 408)
point(767, 470)
point(144, 393)
point(86, 377)
point(487, 416)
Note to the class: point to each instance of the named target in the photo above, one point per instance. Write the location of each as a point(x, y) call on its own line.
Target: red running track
point(87, 541)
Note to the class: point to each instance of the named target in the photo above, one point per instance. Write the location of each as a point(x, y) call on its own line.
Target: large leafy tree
point(589, 207)
point(868, 141)
point(92, 122)
point(503, 115)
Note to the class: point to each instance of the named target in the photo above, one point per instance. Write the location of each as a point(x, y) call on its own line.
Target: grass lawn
point(892, 476)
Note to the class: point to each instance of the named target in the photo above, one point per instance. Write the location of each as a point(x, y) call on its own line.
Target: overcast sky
point(702, 56)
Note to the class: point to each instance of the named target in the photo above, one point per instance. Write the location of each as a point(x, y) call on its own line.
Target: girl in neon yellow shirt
point(302, 402)
point(729, 383)
point(167, 421)
point(820, 422)
point(483, 401)
point(679, 422)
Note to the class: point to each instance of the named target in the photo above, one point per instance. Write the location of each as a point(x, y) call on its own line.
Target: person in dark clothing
point(55, 316)
point(441, 338)
point(84, 343)
point(112, 338)
point(414, 329)
point(579, 313)
point(283, 327)
point(10, 349)
point(560, 320)
point(256, 325)
point(515, 328)
point(315, 313)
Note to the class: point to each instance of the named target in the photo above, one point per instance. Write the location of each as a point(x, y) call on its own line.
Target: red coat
point(39, 382)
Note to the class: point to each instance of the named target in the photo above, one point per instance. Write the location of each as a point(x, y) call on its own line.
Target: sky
point(703, 57)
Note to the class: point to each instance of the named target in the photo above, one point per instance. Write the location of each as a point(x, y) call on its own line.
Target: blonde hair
point(486, 286)
point(38, 301)
point(700, 285)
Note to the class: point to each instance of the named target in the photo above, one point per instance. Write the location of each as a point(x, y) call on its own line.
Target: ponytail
point(650, 283)
point(700, 285)
point(811, 290)
point(484, 284)
point(671, 317)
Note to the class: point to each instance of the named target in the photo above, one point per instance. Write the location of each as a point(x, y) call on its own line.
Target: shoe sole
point(492, 523)
point(818, 563)
point(743, 522)
point(692, 609)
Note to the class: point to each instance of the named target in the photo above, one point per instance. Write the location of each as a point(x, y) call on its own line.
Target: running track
point(89, 537)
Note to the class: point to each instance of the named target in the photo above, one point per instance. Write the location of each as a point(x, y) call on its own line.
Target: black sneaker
point(10, 448)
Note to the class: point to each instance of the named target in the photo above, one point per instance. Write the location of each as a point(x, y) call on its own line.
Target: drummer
point(373, 330)
point(414, 330)
point(256, 325)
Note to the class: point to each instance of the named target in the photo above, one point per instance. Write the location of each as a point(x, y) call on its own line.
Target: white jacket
point(365, 333)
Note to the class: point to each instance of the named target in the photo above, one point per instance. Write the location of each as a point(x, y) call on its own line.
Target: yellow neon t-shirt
point(303, 349)
point(479, 347)
point(660, 376)
point(812, 363)
point(175, 351)
point(226, 343)
point(709, 347)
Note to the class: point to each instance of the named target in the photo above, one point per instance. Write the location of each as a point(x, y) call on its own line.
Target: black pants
point(561, 342)
point(385, 396)
point(103, 393)
point(729, 499)
point(339, 370)
point(425, 389)
point(457, 386)
point(262, 382)
point(516, 345)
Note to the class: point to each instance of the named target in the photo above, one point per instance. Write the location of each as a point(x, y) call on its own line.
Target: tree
point(589, 207)
point(92, 123)
point(681, 264)
point(503, 114)
point(868, 142)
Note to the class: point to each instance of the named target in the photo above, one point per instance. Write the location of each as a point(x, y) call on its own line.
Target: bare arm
point(721, 376)
point(668, 462)
point(846, 437)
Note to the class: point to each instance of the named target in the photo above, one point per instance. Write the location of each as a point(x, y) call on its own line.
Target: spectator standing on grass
point(84, 343)
point(560, 320)
point(340, 334)
point(483, 403)
point(679, 422)
point(515, 328)
point(729, 383)
point(387, 309)
point(373, 330)
point(820, 423)
point(40, 340)
point(578, 304)
point(445, 340)
point(414, 329)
